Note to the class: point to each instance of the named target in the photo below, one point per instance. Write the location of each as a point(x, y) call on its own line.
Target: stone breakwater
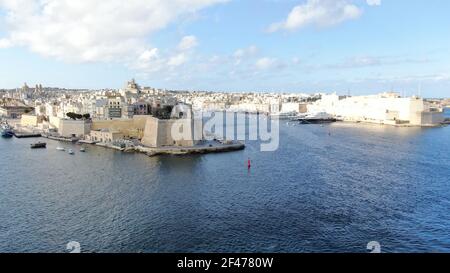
point(200, 149)
point(204, 148)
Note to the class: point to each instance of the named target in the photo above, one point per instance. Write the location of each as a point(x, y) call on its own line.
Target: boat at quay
point(6, 131)
point(316, 118)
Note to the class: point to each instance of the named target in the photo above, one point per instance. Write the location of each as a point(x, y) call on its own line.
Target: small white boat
point(82, 149)
point(60, 149)
point(71, 152)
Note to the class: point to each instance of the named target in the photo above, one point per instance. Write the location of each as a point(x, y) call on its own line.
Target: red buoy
point(249, 163)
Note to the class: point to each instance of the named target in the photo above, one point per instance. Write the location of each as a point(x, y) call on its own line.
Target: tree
point(71, 115)
point(74, 116)
point(162, 113)
point(87, 116)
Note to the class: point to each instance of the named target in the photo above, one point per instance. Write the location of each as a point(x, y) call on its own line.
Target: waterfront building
point(293, 107)
point(104, 136)
point(385, 108)
point(68, 106)
point(51, 109)
point(155, 130)
point(130, 128)
point(101, 108)
point(15, 112)
point(132, 100)
point(141, 108)
point(160, 132)
point(39, 109)
point(279, 108)
point(74, 128)
point(114, 107)
point(127, 111)
point(30, 120)
point(88, 105)
point(54, 122)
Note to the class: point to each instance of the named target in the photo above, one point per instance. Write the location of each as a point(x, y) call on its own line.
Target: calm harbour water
point(317, 193)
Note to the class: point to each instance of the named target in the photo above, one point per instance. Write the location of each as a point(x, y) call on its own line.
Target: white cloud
point(245, 52)
point(149, 55)
point(296, 60)
point(149, 62)
point(321, 13)
point(368, 61)
point(265, 63)
point(374, 2)
point(152, 60)
point(416, 79)
point(177, 59)
point(5, 43)
point(92, 30)
point(188, 42)
point(214, 59)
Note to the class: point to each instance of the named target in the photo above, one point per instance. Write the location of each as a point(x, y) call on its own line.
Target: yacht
point(316, 118)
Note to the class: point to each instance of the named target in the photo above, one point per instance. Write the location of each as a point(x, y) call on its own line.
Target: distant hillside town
point(145, 114)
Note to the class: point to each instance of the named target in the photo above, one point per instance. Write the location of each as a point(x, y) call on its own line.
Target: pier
point(26, 135)
point(64, 139)
point(209, 147)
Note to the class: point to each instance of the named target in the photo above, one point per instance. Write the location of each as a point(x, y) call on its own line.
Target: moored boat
point(317, 118)
point(38, 145)
point(7, 134)
point(6, 131)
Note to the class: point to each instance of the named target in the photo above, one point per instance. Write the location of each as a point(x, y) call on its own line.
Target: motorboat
point(38, 145)
point(316, 118)
point(71, 152)
point(60, 149)
point(82, 149)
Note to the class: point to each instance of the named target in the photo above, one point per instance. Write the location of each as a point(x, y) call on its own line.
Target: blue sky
point(356, 46)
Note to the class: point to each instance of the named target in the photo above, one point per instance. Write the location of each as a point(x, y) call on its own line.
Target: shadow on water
point(179, 164)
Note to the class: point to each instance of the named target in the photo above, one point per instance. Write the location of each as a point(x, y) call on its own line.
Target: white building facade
point(386, 108)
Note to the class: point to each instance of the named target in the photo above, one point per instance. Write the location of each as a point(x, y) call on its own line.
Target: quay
point(105, 145)
point(26, 135)
point(204, 148)
point(64, 139)
point(209, 147)
point(20, 132)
